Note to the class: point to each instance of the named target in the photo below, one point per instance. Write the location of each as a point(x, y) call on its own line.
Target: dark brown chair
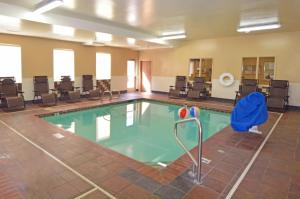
point(11, 98)
point(278, 97)
point(179, 90)
point(88, 88)
point(67, 91)
point(248, 86)
point(41, 91)
point(198, 90)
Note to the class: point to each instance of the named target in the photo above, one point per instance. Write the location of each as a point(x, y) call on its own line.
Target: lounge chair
point(88, 88)
point(11, 98)
point(67, 90)
point(278, 98)
point(198, 90)
point(248, 86)
point(105, 88)
point(179, 90)
point(41, 91)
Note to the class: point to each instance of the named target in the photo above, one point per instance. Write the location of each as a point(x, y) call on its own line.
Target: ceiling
point(147, 20)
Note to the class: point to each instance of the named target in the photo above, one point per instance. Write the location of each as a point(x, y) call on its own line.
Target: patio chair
point(11, 98)
point(198, 89)
point(88, 88)
point(278, 98)
point(248, 86)
point(105, 88)
point(67, 91)
point(179, 90)
point(41, 91)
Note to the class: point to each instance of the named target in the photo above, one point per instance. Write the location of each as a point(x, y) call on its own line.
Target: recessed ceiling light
point(105, 9)
point(131, 41)
point(258, 27)
point(47, 5)
point(171, 37)
point(178, 32)
point(104, 37)
point(63, 30)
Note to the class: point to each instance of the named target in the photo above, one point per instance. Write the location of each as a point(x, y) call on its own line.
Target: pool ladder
point(196, 172)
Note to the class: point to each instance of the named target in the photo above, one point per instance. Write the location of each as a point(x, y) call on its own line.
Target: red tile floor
point(35, 164)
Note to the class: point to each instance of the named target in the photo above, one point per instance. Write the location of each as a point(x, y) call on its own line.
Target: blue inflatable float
point(248, 112)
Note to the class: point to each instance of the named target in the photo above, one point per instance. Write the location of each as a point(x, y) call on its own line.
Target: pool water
point(142, 129)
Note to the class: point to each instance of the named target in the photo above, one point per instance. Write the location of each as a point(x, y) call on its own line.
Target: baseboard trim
point(222, 100)
point(160, 92)
point(293, 108)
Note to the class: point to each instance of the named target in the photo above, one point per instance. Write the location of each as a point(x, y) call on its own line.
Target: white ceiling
point(146, 20)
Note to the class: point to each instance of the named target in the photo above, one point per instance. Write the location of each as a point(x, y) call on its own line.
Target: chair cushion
point(174, 92)
point(74, 96)
point(49, 99)
point(95, 94)
point(279, 83)
point(14, 102)
point(275, 102)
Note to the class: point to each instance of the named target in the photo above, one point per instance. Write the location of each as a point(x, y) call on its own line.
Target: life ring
point(226, 79)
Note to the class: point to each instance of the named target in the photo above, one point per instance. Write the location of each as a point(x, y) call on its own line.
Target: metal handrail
point(197, 163)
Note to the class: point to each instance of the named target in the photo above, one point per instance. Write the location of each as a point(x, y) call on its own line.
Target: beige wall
point(37, 59)
point(227, 56)
point(37, 56)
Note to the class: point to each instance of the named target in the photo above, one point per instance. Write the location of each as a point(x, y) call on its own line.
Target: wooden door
point(145, 76)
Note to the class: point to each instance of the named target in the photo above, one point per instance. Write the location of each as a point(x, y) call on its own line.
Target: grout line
point(86, 193)
point(246, 170)
point(58, 160)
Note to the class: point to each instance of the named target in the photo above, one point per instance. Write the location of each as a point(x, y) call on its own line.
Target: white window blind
point(103, 66)
point(10, 62)
point(63, 64)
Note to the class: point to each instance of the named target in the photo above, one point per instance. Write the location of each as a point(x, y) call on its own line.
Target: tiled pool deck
point(74, 167)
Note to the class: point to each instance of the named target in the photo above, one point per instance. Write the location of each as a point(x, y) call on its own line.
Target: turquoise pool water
point(142, 130)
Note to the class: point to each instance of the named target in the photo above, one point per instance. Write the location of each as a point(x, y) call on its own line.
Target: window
point(194, 68)
point(200, 68)
point(10, 62)
point(266, 68)
point(63, 64)
point(103, 66)
point(130, 74)
point(261, 68)
point(249, 68)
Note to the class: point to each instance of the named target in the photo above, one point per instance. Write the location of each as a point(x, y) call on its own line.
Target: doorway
point(131, 75)
point(145, 76)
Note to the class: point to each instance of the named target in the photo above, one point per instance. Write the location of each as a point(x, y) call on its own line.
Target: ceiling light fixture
point(47, 5)
point(104, 37)
point(171, 37)
point(178, 32)
point(63, 30)
point(131, 41)
point(258, 27)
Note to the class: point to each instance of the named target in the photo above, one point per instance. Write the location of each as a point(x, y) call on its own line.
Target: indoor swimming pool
point(142, 129)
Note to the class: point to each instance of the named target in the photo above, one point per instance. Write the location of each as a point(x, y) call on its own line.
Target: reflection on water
point(102, 128)
point(130, 115)
point(142, 130)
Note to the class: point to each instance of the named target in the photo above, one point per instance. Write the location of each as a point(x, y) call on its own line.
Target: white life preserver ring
point(226, 79)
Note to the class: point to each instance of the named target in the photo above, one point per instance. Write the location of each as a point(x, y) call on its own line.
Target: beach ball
point(183, 113)
point(194, 111)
